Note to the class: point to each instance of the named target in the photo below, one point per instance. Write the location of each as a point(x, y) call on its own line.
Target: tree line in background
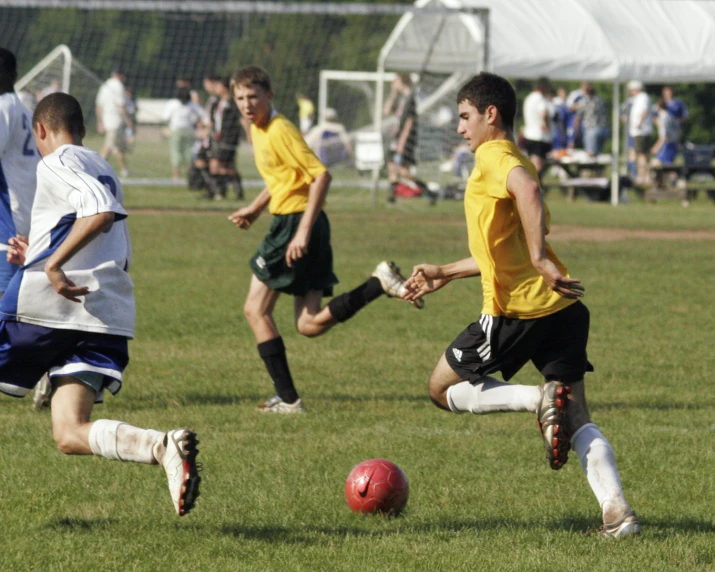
point(156, 48)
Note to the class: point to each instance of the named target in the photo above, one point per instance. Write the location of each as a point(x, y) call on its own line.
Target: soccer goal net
point(75, 45)
point(60, 71)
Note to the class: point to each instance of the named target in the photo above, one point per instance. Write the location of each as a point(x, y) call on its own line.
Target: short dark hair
point(60, 112)
point(252, 75)
point(8, 66)
point(488, 89)
point(183, 94)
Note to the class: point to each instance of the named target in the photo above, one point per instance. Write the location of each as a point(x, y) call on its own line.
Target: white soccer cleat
point(393, 283)
point(627, 525)
point(277, 405)
point(42, 392)
point(181, 468)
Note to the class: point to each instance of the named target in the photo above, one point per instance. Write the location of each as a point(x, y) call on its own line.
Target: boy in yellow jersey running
point(295, 257)
point(531, 308)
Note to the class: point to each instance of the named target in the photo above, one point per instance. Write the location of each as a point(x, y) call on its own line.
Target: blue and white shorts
point(28, 351)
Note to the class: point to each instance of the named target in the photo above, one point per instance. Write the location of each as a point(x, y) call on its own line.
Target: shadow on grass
point(191, 399)
point(74, 524)
point(654, 528)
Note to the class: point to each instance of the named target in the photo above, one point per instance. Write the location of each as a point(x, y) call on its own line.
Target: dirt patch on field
point(558, 232)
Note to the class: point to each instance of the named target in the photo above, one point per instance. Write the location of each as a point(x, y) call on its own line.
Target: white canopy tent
point(613, 41)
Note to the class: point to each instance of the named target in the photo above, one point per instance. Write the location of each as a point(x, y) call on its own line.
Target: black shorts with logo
point(538, 148)
point(556, 344)
point(314, 271)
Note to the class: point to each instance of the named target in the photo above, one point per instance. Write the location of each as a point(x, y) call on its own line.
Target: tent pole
point(379, 102)
point(615, 143)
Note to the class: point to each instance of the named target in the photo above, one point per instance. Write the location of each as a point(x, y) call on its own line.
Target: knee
point(306, 327)
point(64, 439)
point(252, 313)
point(437, 394)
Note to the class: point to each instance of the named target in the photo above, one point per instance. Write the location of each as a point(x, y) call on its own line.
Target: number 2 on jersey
point(28, 149)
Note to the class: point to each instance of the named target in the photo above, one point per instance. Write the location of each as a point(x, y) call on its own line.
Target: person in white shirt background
point(537, 123)
point(183, 115)
point(640, 127)
point(113, 119)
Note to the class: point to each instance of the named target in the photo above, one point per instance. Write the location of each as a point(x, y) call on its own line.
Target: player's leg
point(218, 178)
point(599, 465)
point(393, 177)
point(483, 346)
point(75, 434)
point(258, 309)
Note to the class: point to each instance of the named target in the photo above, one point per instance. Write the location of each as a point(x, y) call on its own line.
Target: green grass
point(482, 496)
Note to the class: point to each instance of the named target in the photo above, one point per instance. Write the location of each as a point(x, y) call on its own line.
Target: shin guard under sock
point(345, 306)
point(273, 354)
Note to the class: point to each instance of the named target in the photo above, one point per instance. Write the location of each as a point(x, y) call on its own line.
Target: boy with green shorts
point(295, 257)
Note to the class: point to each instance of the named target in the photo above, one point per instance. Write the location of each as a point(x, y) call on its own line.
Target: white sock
point(491, 396)
point(121, 442)
point(599, 464)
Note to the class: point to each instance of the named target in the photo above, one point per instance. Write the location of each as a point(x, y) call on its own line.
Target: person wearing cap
point(640, 127)
point(113, 119)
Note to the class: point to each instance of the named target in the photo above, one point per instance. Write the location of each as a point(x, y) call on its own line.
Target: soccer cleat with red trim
point(181, 468)
point(550, 415)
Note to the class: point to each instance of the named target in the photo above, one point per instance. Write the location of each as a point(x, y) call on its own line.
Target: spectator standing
point(666, 147)
point(183, 116)
point(226, 121)
point(592, 117)
point(404, 146)
point(573, 135)
point(306, 113)
point(640, 127)
point(537, 123)
point(558, 122)
point(113, 119)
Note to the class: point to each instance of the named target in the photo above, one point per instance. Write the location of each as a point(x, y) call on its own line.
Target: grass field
point(482, 495)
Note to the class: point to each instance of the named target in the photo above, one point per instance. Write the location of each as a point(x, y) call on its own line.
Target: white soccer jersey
point(18, 165)
point(75, 182)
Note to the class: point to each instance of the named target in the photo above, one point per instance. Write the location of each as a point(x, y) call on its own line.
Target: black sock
point(393, 193)
point(237, 185)
point(273, 354)
point(220, 185)
point(346, 305)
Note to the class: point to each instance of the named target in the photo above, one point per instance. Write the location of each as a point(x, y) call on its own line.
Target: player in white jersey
point(69, 309)
point(18, 164)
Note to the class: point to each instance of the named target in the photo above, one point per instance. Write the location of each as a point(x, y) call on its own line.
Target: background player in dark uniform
point(403, 155)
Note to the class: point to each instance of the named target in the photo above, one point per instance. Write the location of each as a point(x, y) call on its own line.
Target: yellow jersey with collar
point(511, 285)
point(286, 164)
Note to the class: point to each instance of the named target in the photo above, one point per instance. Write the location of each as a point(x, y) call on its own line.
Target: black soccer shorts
point(556, 344)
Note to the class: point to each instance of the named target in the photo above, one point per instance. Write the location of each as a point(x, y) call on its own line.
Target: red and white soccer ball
point(377, 486)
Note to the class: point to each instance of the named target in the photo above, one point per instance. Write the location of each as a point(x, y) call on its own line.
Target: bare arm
point(84, 230)
point(427, 278)
point(298, 246)
point(530, 204)
point(244, 218)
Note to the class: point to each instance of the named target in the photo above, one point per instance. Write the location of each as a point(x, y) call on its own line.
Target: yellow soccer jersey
point(286, 163)
point(512, 286)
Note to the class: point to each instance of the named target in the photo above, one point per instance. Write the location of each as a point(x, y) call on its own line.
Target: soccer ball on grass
point(377, 486)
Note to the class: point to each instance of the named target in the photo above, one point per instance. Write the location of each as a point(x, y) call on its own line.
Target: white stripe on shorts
point(70, 368)
point(485, 350)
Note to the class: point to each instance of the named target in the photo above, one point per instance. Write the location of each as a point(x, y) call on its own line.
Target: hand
point(17, 249)
point(243, 218)
point(64, 286)
point(100, 128)
point(562, 285)
point(296, 248)
point(425, 278)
